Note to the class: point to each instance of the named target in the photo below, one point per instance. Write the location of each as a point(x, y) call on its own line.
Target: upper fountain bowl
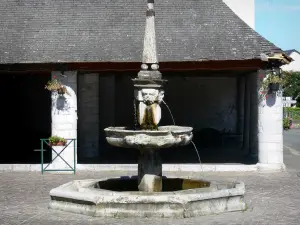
point(164, 137)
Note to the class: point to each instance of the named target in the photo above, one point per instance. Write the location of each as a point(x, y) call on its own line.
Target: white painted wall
point(295, 65)
point(245, 9)
point(270, 130)
point(64, 119)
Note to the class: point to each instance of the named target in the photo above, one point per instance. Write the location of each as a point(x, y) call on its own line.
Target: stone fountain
point(150, 193)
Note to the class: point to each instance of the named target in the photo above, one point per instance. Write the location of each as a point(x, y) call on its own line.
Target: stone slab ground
point(272, 199)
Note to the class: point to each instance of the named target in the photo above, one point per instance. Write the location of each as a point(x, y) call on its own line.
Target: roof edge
point(283, 58)
point(250, 64)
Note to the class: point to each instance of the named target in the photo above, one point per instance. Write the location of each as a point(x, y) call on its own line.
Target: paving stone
point(271, 198)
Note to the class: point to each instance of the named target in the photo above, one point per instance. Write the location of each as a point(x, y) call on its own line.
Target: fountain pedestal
point(150, 171)
point(166, 197)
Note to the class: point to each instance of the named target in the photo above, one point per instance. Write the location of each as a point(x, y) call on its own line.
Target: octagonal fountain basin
point(119, 197)
point(164, 137)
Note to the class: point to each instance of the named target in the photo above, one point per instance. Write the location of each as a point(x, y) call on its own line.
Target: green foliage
point(286, 123)
point(291, 109)
point(55, 85)
point(293, 112)
point(292, 85)
point(54, 140)
point(271, 78)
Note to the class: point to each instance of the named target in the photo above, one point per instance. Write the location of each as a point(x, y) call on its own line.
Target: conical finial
point(149, 60)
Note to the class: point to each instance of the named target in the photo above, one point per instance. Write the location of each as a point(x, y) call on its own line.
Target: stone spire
point(149, 67)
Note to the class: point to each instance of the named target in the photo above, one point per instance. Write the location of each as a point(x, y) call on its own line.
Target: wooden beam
point(253, 64)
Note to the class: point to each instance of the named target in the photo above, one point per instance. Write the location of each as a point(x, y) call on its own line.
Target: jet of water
point(169, 111)
point(196, 150)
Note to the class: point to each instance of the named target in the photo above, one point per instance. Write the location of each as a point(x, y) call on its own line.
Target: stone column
point(253, 133)
point(149, 68)
point(88, 105)
point(149, 50)
point(270, 131)
point(107, 114)
point(247, 116)
point(150, 170)
point(64, 117)
point(240, 107)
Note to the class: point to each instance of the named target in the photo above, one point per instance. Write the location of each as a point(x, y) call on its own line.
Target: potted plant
point(57, 141)
point(55, 85)
point(272, 82)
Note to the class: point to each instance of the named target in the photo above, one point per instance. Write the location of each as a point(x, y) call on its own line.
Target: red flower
point(262, 75)
point(54, 77)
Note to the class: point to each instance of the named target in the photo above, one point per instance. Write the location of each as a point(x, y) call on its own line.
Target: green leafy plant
point(271, 78)
point(57, 141)
point(293, 112)
point(291, 86)
point(55, 85)
point(286, 123)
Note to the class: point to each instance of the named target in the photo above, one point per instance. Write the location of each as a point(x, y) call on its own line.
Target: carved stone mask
point(149, 96)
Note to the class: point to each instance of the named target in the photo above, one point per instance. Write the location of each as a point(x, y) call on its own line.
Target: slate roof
point(112, 31)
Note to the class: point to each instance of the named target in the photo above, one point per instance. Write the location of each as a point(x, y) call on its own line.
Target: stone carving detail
point(149, 111)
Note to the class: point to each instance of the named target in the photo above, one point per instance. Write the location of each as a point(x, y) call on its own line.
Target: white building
point(288, 101)
point(295, 65)
point(211, 58)
point(245, 9)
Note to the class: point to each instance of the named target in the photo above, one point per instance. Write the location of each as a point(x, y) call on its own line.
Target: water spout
point(169, 111)
point(196, 150)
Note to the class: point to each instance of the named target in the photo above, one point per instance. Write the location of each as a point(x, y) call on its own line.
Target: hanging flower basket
point(56, 86)
point(62, 90)
point(272, 82)
point(274, 87)
point(57, 141)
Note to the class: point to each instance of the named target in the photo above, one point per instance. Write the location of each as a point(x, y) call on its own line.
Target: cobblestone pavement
point(272, 199)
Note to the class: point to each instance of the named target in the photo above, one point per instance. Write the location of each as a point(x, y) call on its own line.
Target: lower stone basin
point(180, 198)
point(164, 137)
point(169, 184)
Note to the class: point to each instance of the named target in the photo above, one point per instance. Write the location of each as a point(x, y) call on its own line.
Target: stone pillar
point(149, 68)
point(270, 131)
point(246, 132)
point(150, 164)
point(88, 104)
point(240, 107)
point(64, 117)
point(149, 50)
point(253, 132)
point(107, 114)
